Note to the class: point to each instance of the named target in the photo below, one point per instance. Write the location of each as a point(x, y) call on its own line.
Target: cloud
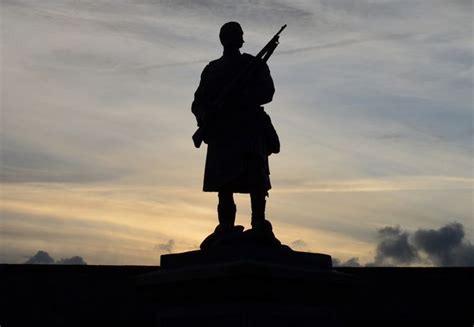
point(43, 258)
point(40, 258)
point(254, 11)
point(393, 248)
point(22, 163)
point(347, 42)
point(352, 262)
point(76, 260)
point(166, 247)
point(299, 244)
point(445, 246)
point(329, 45)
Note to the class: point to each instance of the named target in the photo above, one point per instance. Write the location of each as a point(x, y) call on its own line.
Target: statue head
point(231, 35)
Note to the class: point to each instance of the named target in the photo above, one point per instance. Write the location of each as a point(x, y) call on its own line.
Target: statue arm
point(261, 89)
point(266, 85)
point(200, 103)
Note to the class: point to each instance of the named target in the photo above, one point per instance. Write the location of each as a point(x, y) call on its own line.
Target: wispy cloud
point(392, 184)
point(167, 247)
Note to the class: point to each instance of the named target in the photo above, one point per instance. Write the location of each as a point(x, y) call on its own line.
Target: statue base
point(262, 286)
point(247, 282)
point(270, 254)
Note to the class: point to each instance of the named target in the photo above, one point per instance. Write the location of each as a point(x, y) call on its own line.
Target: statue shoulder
point(215, 62)
point(214, 65)
point(247, 56)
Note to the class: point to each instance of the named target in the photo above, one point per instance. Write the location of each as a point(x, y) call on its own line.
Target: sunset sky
point(373, 106)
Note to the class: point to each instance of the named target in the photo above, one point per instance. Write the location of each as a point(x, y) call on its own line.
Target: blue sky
point(373, 106)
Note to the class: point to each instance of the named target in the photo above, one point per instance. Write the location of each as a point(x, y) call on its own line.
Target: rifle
point(240, 81)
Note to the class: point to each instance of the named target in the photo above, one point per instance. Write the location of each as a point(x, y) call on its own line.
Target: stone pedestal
point(259, 286)
point(272, 254)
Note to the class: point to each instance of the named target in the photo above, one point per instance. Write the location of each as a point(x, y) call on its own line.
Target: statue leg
point(226, 210)
point(225, 231)
point(262, 230)
point(258, 202)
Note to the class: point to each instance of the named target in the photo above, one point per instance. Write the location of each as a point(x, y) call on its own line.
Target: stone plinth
point(280, 254)
point(63, 295)
point(259, 286)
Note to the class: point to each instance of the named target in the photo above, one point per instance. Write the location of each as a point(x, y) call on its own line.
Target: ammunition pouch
point(272, 141)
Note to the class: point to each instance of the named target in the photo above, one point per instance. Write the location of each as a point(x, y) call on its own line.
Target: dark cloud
point(439, 241)
point(43, 258)
point(167, 247)
point(394, 248)
point(463, 255)
point(76, 260)
point(40, 258)
point(445, 246)
point(299, 244)
point(352, 262)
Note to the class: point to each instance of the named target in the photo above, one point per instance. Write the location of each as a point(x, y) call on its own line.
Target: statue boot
point(262, 230)
point(226, 231)
point(226, 216)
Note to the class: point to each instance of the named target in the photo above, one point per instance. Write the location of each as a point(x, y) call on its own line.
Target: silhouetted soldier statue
point(238, 132)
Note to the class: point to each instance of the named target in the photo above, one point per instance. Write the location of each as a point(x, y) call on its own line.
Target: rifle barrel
point(273, 41)
point(281, 30)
